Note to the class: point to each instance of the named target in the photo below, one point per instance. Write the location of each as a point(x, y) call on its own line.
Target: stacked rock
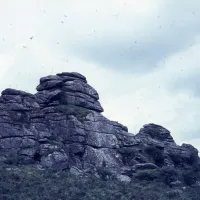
point(61, 126)
point(67, 88)
point(156, 132)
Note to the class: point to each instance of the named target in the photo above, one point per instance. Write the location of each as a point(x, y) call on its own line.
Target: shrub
point(29, 183)
point(15, 159)
point(156, 154)
point(77, 111)
point(148, 175)
point(169, 174)
point(104, 173)
point(189, 177)
point(174, 194)
point(192, 193)
point(128, 153)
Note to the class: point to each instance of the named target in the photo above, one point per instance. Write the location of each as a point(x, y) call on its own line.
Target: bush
point(189, 177)
point(156, 154)
point(104, 173)
point(29, 183)
point(148, 175)
point(174, 194)
point(15, 159)
point(192, 193)
point(128, 153)
point(169, 174)
point(79, 112)
point(176, 158)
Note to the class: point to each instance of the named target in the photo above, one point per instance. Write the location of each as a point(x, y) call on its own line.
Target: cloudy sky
point(141, 56)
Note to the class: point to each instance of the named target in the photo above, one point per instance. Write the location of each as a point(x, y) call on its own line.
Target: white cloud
point(131, 99)
point(6, 61)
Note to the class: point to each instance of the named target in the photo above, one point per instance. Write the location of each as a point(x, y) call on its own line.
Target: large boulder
point(61, 126)
point(156, 132)
point(67, 88)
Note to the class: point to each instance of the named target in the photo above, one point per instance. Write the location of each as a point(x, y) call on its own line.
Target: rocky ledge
point(61, 127)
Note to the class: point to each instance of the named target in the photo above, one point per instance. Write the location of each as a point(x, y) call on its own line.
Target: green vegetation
point(30, 183)
point(147, 175)
point(79, 112)
point(156, 155)
point(128, 154)
point(13, 159)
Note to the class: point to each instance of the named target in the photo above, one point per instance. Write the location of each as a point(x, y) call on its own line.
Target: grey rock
point(54, 159)
point(75, 171)
point(12, 98)
point(28, 152)
point(174, 193)
point(45, 97)
point(10, 91)
point(62, 126)
point(50, 78)
point(176, 184)
point(75, 148)
point(72, 90)
point(123, 178)
point(49, 85)
point(145, 166)
point(79, 86)
point(96, 157)
point(156, 132)
point(102, 140)
point(72, 74)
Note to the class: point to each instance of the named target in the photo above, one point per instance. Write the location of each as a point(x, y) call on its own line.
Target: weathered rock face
point(157, 133)
point(61, 126)
point(67, 88)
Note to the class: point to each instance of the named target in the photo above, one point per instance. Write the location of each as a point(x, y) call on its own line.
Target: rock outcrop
point(61, 126)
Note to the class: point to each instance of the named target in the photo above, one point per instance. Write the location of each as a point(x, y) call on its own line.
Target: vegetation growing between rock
point(30, 183)
point(79, 112)
point(40, 130)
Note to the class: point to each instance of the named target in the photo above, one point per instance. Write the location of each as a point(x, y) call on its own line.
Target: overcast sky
point(143, 57)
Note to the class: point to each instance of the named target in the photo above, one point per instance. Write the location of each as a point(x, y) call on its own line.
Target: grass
point(79, 112)
point(29, 183)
